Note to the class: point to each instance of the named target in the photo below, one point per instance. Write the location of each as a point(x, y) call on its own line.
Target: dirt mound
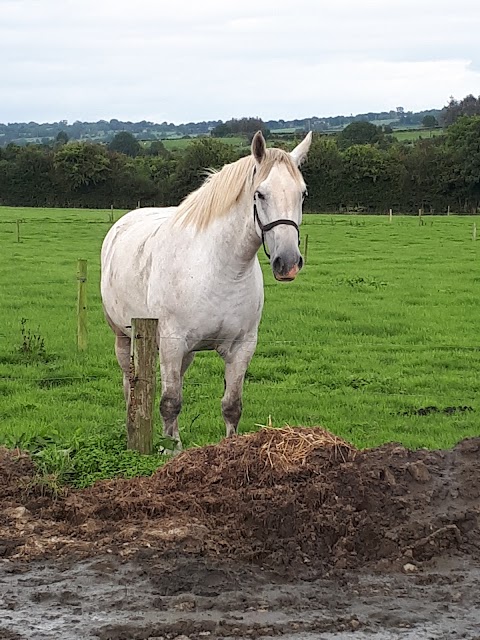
point(280, 497)
point(16, 468)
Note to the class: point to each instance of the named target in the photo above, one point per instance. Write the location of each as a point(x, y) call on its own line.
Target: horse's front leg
point(173, 364)
point(236, 364)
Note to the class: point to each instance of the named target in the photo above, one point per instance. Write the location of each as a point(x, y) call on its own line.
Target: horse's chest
point(233, 308)
point(222, 314)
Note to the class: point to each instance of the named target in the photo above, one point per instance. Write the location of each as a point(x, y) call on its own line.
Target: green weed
point(32, 347)
point(361, 282)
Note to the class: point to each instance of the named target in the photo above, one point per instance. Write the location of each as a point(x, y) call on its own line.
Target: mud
point(287, 533)
point(152, 597)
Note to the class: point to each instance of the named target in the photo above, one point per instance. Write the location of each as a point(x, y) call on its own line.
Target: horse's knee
point(170, 407)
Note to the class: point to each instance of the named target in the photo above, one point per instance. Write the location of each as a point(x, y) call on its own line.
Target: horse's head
point(278, 199)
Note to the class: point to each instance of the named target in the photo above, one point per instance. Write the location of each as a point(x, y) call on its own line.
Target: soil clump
point(281, 498)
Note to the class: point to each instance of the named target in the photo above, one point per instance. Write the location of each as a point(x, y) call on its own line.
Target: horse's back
point(133, 229)
point(125, 257)
point(143, 219)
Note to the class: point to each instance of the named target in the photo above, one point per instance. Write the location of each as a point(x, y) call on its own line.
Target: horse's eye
point(260, 195)
point(304, 194)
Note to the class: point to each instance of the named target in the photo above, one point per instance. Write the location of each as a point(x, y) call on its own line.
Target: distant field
point(182, 143)
point(416, 134)
point(381, 123)
point(285, 130)
point(377, 340)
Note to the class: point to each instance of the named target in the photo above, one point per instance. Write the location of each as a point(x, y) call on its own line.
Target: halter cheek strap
point(267, 227)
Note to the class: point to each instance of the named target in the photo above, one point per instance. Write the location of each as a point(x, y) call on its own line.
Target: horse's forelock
point(274, 157)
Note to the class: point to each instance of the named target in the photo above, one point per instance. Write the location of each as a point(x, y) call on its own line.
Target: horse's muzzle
point(286, 270)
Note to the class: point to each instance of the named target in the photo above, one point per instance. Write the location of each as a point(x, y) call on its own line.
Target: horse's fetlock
point(232, 410)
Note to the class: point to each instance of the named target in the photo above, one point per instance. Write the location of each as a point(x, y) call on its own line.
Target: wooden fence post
point(143, 357)
point(474, 231)
point(111, 213)
point(390, 215)
point(82, 337)
point(420, 213)
point(18, 230)
point(305, 251)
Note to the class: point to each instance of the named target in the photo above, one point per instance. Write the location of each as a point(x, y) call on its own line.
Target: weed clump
point(32, 347)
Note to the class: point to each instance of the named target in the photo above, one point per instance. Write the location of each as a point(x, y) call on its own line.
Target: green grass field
point(416, 134)
point(182, 143)
point(382, 323)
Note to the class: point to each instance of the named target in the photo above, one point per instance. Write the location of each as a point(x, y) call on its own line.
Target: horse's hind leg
point(122, 351)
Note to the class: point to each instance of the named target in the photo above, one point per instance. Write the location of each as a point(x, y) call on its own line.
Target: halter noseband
point(266, 227)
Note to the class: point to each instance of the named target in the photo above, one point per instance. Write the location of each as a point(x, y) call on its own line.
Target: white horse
point(195, 268)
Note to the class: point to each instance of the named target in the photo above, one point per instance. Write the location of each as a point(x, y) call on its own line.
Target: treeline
point(105, 130)
point(433, 174)
point(100, 131)
point(85, 174)
point(363, 169)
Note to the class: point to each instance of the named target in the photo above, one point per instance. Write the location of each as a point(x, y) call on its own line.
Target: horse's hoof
point(169, 452)
point(172, 448)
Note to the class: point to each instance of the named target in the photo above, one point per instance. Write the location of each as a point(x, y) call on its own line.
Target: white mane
point(222, 189)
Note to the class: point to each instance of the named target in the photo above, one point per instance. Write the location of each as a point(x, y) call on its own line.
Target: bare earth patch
point(285, 532)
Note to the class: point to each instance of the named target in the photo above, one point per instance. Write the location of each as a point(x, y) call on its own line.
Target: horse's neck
point(236, 241)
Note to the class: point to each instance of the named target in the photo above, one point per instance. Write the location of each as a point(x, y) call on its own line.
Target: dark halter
point(266, 227)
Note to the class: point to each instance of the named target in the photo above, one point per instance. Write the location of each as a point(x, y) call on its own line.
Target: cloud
point(187, 60)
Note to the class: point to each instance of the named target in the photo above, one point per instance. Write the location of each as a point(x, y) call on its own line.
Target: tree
point(128, 182)
point(157, 148)
point(429, 122)
point(463, 140)
point(322, 172)
point(242, 126)
point(221, 130)
point(27, 179)
point(370, 177)
point(198, 157)
point(62, 138)
point(159, 171)
point(81, 164)
point(359, 133)
point(125, 142)
point(469, 106)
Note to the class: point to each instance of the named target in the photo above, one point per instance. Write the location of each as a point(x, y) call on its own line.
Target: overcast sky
point(192, 60)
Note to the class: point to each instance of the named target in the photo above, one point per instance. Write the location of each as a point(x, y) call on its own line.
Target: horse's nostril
point(300, 262)
point(277, 264)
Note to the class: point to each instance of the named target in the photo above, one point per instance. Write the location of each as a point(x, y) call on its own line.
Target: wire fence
point(314, 389)
point(314, 219)
point(387, 346)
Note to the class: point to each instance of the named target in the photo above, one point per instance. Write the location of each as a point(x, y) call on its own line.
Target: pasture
point(174, 144)
point(409, 135)
point(377, 340)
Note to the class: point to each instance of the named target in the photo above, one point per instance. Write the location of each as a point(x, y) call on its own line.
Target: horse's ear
point(300, 152)
point(258, 147)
